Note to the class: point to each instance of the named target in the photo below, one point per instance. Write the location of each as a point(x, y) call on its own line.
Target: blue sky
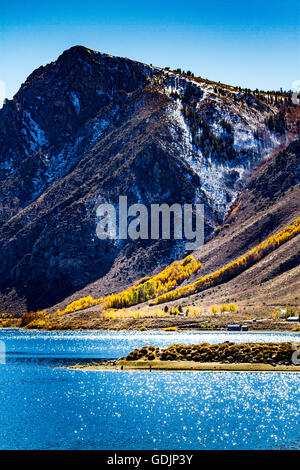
point(251, 44)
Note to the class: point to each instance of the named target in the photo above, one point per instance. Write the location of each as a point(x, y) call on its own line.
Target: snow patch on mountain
point(101, 93)
point(34, 135)
point(215, 177)
point(75, 101)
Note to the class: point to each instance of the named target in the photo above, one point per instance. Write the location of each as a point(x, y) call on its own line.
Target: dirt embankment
point(186, 366)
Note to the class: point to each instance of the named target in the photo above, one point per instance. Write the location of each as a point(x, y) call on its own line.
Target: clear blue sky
point(251, 44)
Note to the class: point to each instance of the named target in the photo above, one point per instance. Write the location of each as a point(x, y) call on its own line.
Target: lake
point(43, 406)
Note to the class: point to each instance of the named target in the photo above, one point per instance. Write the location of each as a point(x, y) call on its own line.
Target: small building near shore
point(233, 327)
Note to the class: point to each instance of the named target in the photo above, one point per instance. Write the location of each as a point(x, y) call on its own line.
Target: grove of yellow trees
point(148, 288)
point(80, 304)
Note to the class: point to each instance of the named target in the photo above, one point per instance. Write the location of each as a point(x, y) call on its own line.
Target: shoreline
point(191, 366)
point(154, 329)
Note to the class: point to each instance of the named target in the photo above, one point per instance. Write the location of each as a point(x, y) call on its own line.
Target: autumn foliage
point(84, 302)
point(28, 318)
point(148, 288)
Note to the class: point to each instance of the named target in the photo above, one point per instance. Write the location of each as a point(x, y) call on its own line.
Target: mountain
point(89, 127)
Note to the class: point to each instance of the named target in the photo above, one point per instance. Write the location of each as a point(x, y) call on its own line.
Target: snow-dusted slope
point(252, 141)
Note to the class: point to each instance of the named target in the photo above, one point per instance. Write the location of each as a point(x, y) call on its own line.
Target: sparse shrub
point(289, 312)
point(174, 311)
point(150, 356)
point(197, 312)
point(224, 308)
point(232, 307)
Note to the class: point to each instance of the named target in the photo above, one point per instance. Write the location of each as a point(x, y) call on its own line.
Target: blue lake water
point(43, 406)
